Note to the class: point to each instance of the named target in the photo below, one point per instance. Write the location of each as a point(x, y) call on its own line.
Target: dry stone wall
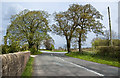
point(13, 64)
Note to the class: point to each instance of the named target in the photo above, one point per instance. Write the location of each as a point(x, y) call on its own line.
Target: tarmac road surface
point(57, 64)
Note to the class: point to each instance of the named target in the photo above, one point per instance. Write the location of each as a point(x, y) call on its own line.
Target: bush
point(116, 42)
point(100, 42)
point(5, 49)
point(24, 47)
point(108, 50)
point(33, 49)
point(52, 47)
point(105, 42)
point(14, 47)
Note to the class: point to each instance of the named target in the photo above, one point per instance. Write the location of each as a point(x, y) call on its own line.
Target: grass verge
point(95, 58)
point(29, 68)
point(36, 53)
point(58, 51)
point(55, 51)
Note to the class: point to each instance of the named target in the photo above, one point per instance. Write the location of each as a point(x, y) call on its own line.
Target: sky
point(9, 8)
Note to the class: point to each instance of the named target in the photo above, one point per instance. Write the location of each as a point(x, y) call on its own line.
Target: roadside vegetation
point(100, 52)
point(59, 51)
point(28, 69)
point(95, 58)
point(55, 51)
point(37, 53)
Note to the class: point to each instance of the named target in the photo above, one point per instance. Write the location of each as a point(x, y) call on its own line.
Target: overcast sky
point(11, 8)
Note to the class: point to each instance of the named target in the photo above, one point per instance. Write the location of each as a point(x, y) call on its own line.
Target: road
point(57, 64)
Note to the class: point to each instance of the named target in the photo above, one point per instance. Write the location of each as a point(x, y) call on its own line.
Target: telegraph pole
point(110, 26)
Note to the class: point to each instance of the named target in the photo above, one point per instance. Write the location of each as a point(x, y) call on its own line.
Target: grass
point(36, 53)
point(46, 50)
point(55, 51)
point(95, 58)
point(58, 51)
point(90, 50)
point(29, 68)
point(25, 50)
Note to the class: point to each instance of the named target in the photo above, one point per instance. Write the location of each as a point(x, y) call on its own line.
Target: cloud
point(60, 41)
point(11, 9)
point(0, 29)
point(8, 9)
point(1, 35)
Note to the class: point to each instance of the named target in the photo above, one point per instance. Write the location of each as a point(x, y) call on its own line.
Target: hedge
point(108, 50)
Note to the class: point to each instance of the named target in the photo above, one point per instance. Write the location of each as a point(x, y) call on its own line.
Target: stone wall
point(13, 64)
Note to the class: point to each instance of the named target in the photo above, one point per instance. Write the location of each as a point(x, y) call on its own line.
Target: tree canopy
point(28, 26)
point(77, 21)
point(48, 42)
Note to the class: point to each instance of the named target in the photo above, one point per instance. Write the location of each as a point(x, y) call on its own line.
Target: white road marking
point(81, 67)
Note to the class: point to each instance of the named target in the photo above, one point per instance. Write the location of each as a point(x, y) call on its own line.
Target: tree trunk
point(68, 45)
point(79, 42)
point(37, 46)
point(30, 45)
